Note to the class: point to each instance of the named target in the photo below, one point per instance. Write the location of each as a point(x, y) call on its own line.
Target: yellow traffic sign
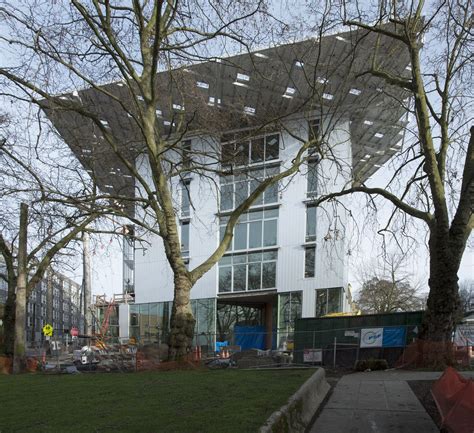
point(48, 330)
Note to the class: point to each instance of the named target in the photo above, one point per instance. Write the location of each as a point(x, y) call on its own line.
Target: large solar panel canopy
point(321, 75)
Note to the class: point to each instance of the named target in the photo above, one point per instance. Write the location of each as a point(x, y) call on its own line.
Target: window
point(185, 237)
point(204, 311)
point(321, 302)
point(289, 310)
point(312, 179)
point(251, 151)
point(185, 198)
point(255, 229)
point(313, 133)
point(235, 189)
point(309, 261)
point(311, 224)
point(253, 271)
point(149, 322)
point(128, 259)
point(310, 250)
point(186, 153)
point(328, 301)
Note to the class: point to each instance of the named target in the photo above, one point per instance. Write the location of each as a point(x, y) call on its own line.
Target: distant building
point(55, 300)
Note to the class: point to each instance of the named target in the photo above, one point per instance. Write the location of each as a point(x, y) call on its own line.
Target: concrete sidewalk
point(378, 402)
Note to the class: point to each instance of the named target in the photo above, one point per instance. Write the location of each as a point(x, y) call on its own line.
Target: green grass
point(223, 401)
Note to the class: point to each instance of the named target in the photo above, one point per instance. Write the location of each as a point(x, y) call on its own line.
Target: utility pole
point(86, 282)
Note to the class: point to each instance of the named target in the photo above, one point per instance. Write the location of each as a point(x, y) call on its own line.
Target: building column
point(124, 320)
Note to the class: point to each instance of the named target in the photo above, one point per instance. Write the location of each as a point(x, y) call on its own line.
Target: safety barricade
point(454, 397)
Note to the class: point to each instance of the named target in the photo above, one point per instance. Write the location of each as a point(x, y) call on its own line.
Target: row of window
point(236, 188)
point(151, 322)
point(255, 229)
point(253, 151)
point(246, 272)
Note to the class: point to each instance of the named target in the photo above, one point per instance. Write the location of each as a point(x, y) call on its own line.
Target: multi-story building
point(55, 300)
point(288, 258)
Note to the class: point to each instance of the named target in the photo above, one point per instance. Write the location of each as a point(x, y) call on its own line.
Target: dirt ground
point(422, 389)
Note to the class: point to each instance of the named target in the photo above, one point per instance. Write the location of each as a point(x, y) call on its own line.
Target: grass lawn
point(222, 401)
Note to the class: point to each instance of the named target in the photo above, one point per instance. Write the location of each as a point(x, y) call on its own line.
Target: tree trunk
point(182, 320)
point(20, 301)
point(86, 283)
point(443, 303)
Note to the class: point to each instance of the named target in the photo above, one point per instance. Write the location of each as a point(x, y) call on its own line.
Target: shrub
point(371, 364)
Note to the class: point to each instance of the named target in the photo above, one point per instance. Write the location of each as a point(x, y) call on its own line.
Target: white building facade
point(288, 259)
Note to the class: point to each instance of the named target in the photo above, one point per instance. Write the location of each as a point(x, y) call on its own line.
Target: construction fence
point(312, 342)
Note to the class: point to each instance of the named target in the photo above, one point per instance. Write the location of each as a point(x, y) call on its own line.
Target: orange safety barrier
point(197, 353)
point(432, 354)
point(454, 397)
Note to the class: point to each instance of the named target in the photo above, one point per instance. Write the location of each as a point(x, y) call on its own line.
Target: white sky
point(107, 255)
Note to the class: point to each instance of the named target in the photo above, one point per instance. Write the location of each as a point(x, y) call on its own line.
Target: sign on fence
point(371, 337)
point(313, 355)
point(393, 336)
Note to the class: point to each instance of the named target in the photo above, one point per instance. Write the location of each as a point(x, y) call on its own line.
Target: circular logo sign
point(370, 337)
point(48, 330)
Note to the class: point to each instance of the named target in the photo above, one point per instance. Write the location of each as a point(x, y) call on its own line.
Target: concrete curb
point(296, 415)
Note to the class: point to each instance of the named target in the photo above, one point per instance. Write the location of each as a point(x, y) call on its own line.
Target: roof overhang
point(313, 75)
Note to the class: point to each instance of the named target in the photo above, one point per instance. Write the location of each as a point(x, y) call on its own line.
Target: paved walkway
point(376, 402)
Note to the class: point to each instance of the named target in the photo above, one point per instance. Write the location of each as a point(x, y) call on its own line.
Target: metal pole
point(358, 347)
point(335, 346)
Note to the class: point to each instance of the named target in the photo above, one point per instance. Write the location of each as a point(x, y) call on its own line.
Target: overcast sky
point(365, 248)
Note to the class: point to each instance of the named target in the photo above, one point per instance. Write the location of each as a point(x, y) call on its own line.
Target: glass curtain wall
point(328, 301)
point(289, 309)
point(150, 323)
point(229, 315)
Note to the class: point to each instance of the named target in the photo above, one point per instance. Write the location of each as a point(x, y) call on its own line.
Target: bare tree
point(388, 288)
point(466, 295)
point(132, 132)
point(436, 164)
point(131, 44)
point(40, 224)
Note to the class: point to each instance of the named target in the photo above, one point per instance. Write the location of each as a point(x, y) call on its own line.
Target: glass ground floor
point(263, 320)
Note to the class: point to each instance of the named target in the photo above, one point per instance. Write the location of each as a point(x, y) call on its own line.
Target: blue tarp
point(250, 337)
point(220, 345)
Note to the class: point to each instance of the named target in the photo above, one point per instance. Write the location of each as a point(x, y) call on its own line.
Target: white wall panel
point(153, 274)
